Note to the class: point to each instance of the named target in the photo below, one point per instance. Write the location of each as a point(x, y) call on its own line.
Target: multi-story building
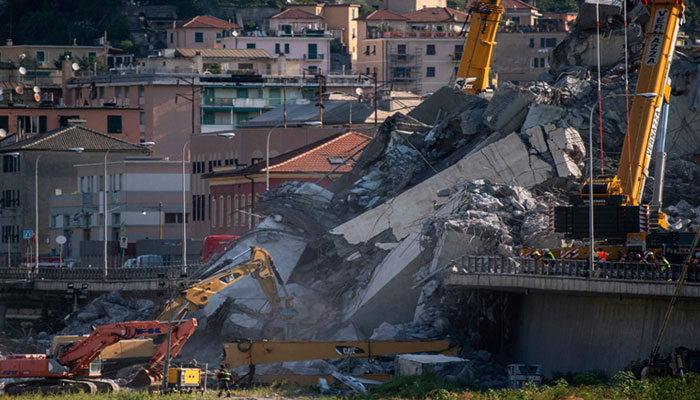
point(339, 19)
point(295, 34)
point(233, 191)
point(217, 61)
point(144, 202)
point(38, 58)
point(518, 14)
point(49, 151)
point(420, 51)
point(200, 32)
point(405, 6)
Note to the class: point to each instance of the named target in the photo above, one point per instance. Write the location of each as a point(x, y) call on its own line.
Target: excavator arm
point(197, 296)
point(82, 353)
point(473, 71)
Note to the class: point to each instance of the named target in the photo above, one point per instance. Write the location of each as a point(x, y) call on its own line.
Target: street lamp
point(36, 204)
point(590, 169)
point(183, 271)
point(267, 149)
point(160, 217)
point(104, 203)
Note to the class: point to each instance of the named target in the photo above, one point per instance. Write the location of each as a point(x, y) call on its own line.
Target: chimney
point(77, 122)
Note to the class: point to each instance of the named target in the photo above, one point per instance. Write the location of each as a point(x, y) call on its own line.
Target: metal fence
point(576, 268)
point(170, 272)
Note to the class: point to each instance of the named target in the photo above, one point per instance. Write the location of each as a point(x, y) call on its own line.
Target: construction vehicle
point(475, 64)
point(197, 296)
point(184, 379)
point(70, 367)
point(620, 218)
point(251, 353)
point(215, 245)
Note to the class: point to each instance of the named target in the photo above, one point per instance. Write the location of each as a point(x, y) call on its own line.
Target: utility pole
point(284, 104)
point(320, 96)
point(374, 77)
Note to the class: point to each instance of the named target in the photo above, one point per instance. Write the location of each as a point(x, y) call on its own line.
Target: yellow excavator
point(620, 218)
point(197, 296)
point(473, 72)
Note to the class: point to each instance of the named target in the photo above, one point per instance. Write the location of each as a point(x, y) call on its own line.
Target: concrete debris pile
point(109, 308)
point(683, 216)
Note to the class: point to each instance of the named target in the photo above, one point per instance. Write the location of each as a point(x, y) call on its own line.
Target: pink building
point(200, 32)
point(121, 123)
point(293, 21)
point(233, 191)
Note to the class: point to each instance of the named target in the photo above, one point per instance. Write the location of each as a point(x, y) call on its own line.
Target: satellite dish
point(235, 33)
point(22, 56)
point(19, 90)
point(60, 239)
point(359, 91)
point(22, 71)
point(3, 133)
point(37, 97)
point(36, 89)
point(75, 66)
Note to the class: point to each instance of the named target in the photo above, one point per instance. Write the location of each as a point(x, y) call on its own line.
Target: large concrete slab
point(506, 161)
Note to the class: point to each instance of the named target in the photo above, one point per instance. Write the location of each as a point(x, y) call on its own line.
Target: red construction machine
point(70, 368)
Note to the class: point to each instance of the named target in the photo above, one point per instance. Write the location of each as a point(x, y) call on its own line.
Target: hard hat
point(546, 250)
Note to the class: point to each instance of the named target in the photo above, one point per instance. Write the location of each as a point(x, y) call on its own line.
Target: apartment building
point(405, 6)
point(144, 202)
point(50, 152)
point(200, 32)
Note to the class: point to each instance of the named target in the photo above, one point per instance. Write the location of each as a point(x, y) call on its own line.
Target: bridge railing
point(577, 268)
point(169, 272)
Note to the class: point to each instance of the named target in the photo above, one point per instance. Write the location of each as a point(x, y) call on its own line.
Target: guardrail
point(170, 272)
point(572, 268)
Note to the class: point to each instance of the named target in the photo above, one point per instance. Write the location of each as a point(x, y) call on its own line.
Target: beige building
point(200, 32)
point(339, 19)
point(405, 6)
point(45, 55)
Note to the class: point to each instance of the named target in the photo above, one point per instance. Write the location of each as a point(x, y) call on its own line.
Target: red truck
point(216, 244)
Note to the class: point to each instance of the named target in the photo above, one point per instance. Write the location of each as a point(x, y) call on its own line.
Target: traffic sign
point(27, 234)
point(123, 242)
point(60, 239)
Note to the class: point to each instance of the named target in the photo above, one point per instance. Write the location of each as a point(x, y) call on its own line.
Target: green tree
point(118, 29)
point(126, 45)
point(460, 5)
point(557, 6)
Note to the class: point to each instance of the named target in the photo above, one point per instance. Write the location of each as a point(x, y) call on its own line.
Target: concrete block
point(566, 147)
point(419, 364)
point(508, 108)
point(537, 139)
point(542, 114)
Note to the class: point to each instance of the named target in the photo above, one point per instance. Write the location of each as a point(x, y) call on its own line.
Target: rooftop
point(241, 54)
point(71, 137)
point(295, 14)
point(334, 113)
point(436, 14)
point(382, 15)
point(206, 21)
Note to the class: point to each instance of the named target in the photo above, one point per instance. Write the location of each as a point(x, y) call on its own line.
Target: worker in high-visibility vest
point(664, 266)
point(225, 379)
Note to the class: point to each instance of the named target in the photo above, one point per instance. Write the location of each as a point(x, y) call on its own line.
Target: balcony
point(313, 57)
point(413, 34)
point(235, 102)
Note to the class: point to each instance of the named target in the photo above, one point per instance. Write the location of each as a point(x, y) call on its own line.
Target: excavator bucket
point(145, 378)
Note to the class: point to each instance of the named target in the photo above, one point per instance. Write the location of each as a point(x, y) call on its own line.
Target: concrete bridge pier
point(3, 312)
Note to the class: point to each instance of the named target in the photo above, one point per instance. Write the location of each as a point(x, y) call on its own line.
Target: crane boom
point(474, 66)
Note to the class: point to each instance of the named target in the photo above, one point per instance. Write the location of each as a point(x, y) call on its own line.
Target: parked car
point(146, 260)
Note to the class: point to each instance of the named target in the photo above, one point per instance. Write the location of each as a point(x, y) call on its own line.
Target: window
point(228, 207)
point(459, 48)
point(539, 62)
point(430, 73)
point(10, 164)
point(353, 13)
point(27, 124)
point(430, 50)
point(40, 56)
point(532, 43)
point(516, 20)
point(374, 49)
point(248, 66)
point(118, 92)
point(367, 50)
point(173, 218)
point(286, 48)
point(401, 49)
point(92, 55)
point(42, 123)
point(250, 45)
point(142, 118)
point(10, 198)
point(114, 124)
point(199, 37)
point(171, 37)
point(542, 43)
point(126, 92)
point(235, 210)
point(221, 210)
point(116, 219)
point(242, 207)
point(277, 48)
point(550, 42)
point(213, 212)
point(354, 34)
point(5, 123)
point(10, 233)
point(142, 91)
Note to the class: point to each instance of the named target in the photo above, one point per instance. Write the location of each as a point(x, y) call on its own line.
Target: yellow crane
point(197, 296)
point(474, 67)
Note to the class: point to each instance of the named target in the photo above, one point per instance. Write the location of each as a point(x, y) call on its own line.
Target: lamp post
point(104, 204)
point(36, 204)
point(183, 271)
point(267, 149)
point(591, 236)
point(160, 217)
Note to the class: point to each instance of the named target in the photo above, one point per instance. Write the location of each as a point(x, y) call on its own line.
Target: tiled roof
point(436, 14)
point(382, 15)
point(333, 154)
point(243, 54)
point(206, 21)
point(510, 5)
point(71, 137)
point(295, 14)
